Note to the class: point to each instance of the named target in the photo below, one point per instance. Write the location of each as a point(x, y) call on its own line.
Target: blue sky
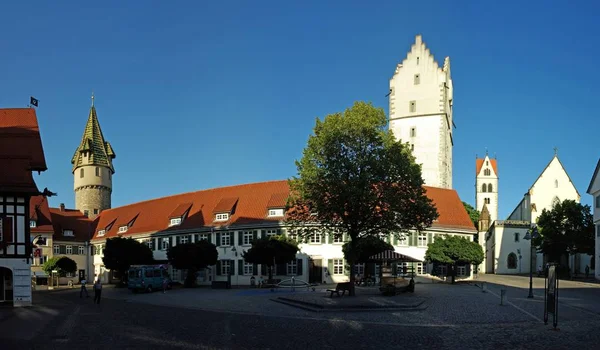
point(194, 95)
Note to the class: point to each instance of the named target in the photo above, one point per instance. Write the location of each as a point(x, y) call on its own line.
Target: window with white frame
point(275, 212)
point(183, 239)
point(315, 238)
point(101, 233)
point(402, 268)
point(68, 233)
point(222, 217)
point(292, 235)
point(43, 259)
point(204, 237)
point(81, 250)
point(165, 243)
point(271, 233)
point(150, 243)
point(461, 270)
point(122, 229)
point(56, 249)
point(225, 239)
point(402, 240)
point(247, 238)
point(70, 274)
point(359, 269)
point(32, 223)
point(338, 238)
point(175, 221)
point(225, 267)
point(338, 267)
point(292, 267)
point(69, 249)
point(248, 269)
point(422, 240)
point(442, 270)
point(421, 268)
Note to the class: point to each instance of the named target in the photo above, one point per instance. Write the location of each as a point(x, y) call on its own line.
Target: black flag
point(34, 101)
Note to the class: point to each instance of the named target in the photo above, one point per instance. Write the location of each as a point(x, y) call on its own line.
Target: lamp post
point(530, 235)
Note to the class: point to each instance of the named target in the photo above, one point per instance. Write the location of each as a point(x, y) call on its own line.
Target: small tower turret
point(486, 186)
point(93, 169)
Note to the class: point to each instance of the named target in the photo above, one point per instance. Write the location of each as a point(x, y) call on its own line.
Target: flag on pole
point(33, 101)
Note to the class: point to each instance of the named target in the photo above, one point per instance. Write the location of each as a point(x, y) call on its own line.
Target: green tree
point(365, 247)
point(566, 229)
point(454, 251)
point(473, 214)
point(354, 178)
point(62, 264)
point(120, 253)
point(193, 257)
point(270, 251)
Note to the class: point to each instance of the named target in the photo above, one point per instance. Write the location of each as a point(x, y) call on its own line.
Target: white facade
point(506, 252)
point(594, 191)
point(486, 188)
point(421, 112)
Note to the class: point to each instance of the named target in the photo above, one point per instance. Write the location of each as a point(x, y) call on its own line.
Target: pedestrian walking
point(97, 290)
point(587, 271)
point(165, 284)
point(83, 289)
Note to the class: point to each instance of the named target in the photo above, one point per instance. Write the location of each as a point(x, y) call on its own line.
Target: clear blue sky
point(201, 94)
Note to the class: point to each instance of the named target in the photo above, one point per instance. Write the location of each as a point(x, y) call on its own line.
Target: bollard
point(502, 296)
point(484, 287)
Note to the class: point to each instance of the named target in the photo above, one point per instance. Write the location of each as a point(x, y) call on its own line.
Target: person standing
point(83, 289)
point(97, 290)
point(587, 271)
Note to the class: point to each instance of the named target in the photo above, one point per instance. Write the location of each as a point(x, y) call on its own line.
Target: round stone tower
point(93, 169)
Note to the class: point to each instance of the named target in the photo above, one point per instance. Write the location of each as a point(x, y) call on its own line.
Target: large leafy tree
point(453, 251)
point(270, 251)
point(193, 257)
point(354, 178)
point(62, 264)
point(364, 248)
point(566, 229)
point(120, 253)
point(473, 214)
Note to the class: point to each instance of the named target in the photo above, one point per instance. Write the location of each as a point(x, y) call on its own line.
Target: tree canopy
point(566, 229)
point(192, 257)
point(62, 264)
point(365, 247)
point(270, 251)
point(120, 253)
point(354, 178)
point(454, 250)
point(473, 214)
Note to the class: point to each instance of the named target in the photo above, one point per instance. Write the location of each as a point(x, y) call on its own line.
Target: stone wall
point(92, 197)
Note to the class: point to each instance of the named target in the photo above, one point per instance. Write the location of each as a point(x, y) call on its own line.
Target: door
point(315, 274)
point(81, 275)
point(6, 294)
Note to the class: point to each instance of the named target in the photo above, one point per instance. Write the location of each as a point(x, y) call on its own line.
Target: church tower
point(93, 169)
point(421, 112)
point(486, 186)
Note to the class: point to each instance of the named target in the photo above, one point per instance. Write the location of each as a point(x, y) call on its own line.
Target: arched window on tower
point(511, 262)
point(484, 188)
point(81, 172)
point(490, 188)
point(486, 201)
point(555, 183)
point(487, 172)
point(97, 171)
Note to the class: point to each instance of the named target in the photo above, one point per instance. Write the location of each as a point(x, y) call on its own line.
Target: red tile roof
point(253, 201)
point(20, 150)
point(278, 200)
point(180, 210)
point(452, 212)
point(71, 219)
point(225, 205)
point(40, 212)
point(479, 164)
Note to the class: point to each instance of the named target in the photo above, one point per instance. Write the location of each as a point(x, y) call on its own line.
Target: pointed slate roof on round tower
point(92, 141)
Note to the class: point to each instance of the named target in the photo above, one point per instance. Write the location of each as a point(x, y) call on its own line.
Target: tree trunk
point(271, 272)
point(453, 272)
point(351, 263)
point(190, 278)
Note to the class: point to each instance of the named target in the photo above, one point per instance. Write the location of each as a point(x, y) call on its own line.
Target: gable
point(554, 173)
point(594, 185)
point(486, 163)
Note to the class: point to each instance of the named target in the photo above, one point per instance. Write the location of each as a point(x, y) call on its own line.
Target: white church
point(506, 249)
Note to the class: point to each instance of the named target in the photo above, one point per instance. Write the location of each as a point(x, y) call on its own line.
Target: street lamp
point(531, 234)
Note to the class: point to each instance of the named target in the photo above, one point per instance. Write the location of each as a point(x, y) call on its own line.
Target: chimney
point(62, 206)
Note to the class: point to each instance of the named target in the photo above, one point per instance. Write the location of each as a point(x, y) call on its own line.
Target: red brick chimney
point(62, 206)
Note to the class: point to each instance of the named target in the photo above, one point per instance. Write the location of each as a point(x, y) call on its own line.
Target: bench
point(340, 287)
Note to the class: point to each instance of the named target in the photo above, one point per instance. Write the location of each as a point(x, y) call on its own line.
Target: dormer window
point(175, 221)
point(275, 212)
point(123, 229)
point(32, 223)
point(222, 217)
point(101, 233)
point(68, 233)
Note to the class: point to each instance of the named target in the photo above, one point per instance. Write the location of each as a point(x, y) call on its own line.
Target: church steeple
point(93, 169)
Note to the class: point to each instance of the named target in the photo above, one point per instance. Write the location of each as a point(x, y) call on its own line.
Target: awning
point(390, 255)
point(38, 274)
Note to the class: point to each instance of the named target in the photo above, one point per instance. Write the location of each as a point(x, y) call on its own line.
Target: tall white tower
point(421, 112)
point(486, 186)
